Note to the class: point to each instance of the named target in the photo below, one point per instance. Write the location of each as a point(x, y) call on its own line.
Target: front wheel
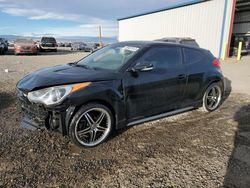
point(212, 97)
point(91, 125)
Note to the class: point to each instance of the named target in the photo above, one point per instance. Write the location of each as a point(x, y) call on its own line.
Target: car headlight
point(54, 95)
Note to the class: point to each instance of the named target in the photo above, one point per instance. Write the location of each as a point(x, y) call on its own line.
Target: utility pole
point(100, 35)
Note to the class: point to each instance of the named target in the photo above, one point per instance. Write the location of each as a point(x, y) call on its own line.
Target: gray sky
point(71, 18)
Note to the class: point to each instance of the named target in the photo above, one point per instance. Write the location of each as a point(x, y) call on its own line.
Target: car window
point(48, 40)
point(192, 56)
point(162, 57)
point(189, 43)
point(173, 41)
point(110, 57)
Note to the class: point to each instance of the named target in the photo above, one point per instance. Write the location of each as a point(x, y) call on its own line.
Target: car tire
point(212, 97)
point(91, 125)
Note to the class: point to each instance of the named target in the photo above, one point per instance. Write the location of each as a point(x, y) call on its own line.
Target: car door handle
point(182, 76)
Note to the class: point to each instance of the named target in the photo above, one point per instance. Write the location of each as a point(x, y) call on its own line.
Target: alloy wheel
point(213, 97)
point(93, 127)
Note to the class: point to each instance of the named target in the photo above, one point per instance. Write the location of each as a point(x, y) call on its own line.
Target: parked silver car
point(184, 40)
point(78, 46)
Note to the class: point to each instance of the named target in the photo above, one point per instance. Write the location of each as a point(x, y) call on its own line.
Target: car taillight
point(216, 63)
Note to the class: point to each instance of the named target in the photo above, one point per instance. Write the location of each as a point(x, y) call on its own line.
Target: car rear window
point(48, 40)
point(192, 56)
point(190, 43)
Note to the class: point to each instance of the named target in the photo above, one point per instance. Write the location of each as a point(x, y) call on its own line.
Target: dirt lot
point(189, 150)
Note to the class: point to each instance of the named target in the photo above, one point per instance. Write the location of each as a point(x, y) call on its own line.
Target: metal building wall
point(242, 23)
point(208, 22)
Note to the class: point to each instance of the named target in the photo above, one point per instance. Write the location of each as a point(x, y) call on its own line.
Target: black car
point(120, 85)
point(48, 44)
point(2, 48)
point(185, 41)
point(3, 45)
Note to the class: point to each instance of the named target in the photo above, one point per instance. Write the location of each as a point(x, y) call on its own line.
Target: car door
point(196, 63)
point(158, 90)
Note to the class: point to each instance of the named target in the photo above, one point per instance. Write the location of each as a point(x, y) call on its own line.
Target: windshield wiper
point(84, 66)
point(71, 64)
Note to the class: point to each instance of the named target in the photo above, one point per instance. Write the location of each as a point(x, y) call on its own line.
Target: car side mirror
point(141, 68)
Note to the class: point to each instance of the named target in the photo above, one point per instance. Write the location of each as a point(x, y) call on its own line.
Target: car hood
point(61, 75)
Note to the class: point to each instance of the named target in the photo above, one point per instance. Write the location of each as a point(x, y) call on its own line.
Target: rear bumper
point(48, 48)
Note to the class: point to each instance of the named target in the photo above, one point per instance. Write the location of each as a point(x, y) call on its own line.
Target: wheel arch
point(219, 84)
point(206, 84)
point(215, 80)
point(98, 101)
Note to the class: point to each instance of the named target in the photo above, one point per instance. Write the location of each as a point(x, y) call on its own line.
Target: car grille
point(26, 48)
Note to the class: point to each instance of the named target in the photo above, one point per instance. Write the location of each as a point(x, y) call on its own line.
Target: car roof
point(176, 38)
point(155, 43)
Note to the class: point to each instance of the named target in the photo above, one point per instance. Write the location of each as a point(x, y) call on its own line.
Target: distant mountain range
point(65, 38)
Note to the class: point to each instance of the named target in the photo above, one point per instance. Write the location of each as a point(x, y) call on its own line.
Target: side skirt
point(159, 116)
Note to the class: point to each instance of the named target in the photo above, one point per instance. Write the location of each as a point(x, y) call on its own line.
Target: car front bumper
point(38, 117)
point(21, 51)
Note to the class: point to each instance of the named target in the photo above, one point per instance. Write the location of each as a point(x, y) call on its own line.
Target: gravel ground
point(194, 149)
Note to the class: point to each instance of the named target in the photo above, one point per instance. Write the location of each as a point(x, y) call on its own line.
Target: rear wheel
point(91, 125)
point(212, 97)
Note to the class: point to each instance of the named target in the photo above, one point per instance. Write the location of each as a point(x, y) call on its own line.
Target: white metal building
point(210, 22)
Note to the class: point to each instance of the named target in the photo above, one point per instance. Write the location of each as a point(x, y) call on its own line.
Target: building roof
point(192, 2)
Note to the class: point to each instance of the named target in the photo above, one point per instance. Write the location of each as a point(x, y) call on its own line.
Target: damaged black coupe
point(120, 85)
